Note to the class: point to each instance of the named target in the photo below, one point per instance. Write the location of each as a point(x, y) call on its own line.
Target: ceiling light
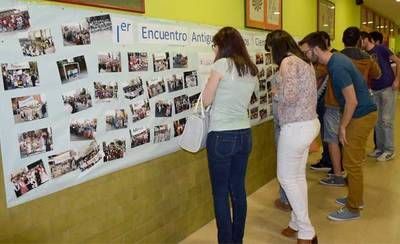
point(364, 23)
point(370, 22)
point(326, 25)
point(277, 13)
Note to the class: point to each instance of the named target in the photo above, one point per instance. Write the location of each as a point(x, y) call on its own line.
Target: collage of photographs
point(166, 98)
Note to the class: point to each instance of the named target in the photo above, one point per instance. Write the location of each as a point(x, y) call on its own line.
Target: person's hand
point(395, 84)
point(342, 135)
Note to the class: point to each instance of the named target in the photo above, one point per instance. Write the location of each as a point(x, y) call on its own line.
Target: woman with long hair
point(297, 100)
point(228, 90)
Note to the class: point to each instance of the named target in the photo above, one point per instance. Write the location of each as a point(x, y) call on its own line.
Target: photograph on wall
point(269, 86)
point(133, 88)
point(109, 62)
point(253, 98)
point(76, 34)
point(193, 99)
point(116, 119)
point(31, 177)
point(62, 163)
point(254, 113)
point(179, 126)
point(261, 74)
point(163, 108)
point(263, 113)
point(100, 23)
point(138, 61)
point(114, 150)
point(155, 87)
point(140, 110)
point(20, 75)
point(77, 100)
point(259, 58)
point(180, 60)
point(174, 82)
point(162, 133)
point(264, 99)
point(181, 104)
point(262, 84)
point(14, 20)
point(72, 69)
point(82, 129)
point(268, 58)
point(105, 91)
point(161, 62)
point(190, 78)
point(89, 156)
point(35, 142)
point(139, 136)
point(29, 108)
point(37, 43)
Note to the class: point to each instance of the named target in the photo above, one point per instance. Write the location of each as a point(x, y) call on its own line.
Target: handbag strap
point(200, 101)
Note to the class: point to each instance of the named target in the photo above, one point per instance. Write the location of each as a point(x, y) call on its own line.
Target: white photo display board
point(86, 93)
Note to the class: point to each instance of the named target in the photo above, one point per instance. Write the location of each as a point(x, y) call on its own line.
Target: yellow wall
point(300, 17)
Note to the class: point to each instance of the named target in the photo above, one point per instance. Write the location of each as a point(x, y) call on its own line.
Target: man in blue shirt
point(384, 95)
point(358, 119)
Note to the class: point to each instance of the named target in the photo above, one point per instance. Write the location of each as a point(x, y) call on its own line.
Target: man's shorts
point(332, 118)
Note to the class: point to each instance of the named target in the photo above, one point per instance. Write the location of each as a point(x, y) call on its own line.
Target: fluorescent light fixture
point(277, 13)
point(391, 30)
point(370, 22)
point(364, 23)
point(332, 7)
point(326, 25)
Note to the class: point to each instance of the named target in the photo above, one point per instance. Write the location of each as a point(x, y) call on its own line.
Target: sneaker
point(386, 156)
point(320, 166)
point(282, 206)
point(343, 214)
point(376, 153)
point(333, 181)
point(343, 200)
point(330, 173)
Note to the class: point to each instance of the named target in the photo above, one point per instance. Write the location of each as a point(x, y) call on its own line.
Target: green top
point(232, 98)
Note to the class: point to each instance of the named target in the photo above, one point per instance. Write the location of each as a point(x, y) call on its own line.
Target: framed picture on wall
point(326, 17)
point(124, 5)
point(264, 14)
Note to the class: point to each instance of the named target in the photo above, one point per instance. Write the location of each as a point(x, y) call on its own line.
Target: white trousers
point(293, 146)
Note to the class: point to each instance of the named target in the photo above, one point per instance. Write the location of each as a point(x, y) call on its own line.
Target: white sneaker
point(374, 154)
point(386, 156)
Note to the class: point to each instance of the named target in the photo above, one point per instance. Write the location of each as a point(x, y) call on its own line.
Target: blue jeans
point(228, 153)
point(385, 101)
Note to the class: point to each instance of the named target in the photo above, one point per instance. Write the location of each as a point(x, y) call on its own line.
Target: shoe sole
point(338, 219)
point(328, 184)
point(385, 159)
point(321, 169)
point(341, 204)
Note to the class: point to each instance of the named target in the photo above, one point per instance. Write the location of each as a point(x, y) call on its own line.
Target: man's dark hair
point(314, 39)
point(326, 37)
point(377, 36)
point(364, 35)
point(351, 36)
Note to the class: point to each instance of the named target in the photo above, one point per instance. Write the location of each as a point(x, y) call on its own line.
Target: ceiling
point(387, 8)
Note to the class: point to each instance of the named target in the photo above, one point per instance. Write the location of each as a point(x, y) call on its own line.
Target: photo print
point(270, 111)
point(77, 100)
point(114, 150)
point(254, 113)
point(163, 108)
point(62, 163)
point(89, 157)
point(116, 119)
point(29, 108)
point(264, 99)
point(31, 177)
point(105, 92)
point(191, 79)
point(14, 20)
point(179, 127)
point(155, 87)
point(138, 61)
point(140, 110)
point(259, 58)
point(139, 136)
point(269, 86)
point(261, 74)
point(37, 43)
point(268, 58)
point(193, 99)
point(181, 104)
point(253, 98)
point(109, 62)
point(180, 60)
point(100, 23)
point(263, 113)
point(161, 62)
point(175, 82)
point(72, 69)
point(162, 133)
point(133, 89)
point(82, 129)
point(269, 72)
point(76, 34)
point(262, 84)
point(35, 142)
point(21, 75)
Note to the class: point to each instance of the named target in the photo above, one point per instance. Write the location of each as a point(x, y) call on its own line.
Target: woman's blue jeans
point(228, 153)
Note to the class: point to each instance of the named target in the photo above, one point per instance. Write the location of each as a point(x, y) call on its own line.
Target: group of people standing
point(344, 95)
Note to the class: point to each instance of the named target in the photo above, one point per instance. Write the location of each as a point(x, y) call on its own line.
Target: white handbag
point(194, 136)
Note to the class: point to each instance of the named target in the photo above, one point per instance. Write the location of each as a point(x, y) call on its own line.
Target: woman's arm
point(211, 88)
